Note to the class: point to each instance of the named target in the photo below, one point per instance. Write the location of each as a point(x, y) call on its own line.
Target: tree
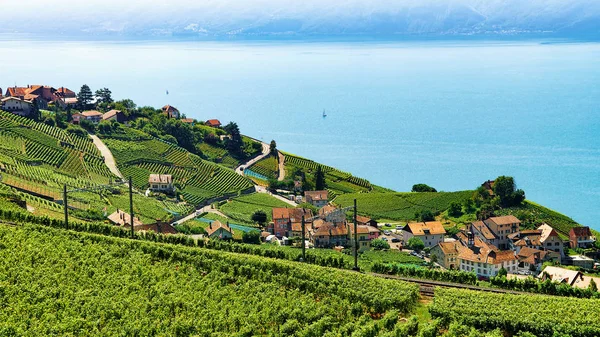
point(505, 189)
point(235, 144)
point(252, 237)
point(85, 96)
point(423, 188)
point(35, 111)
point(104, 95)
point(433, 259)
point(380, 244)
point(455, 210)
point(502, 272)
point(425, 215)
point(593, 287)
point(415, 244)
point(320, 179)
point(469, 206)
point(259, 217)
point(273, 148)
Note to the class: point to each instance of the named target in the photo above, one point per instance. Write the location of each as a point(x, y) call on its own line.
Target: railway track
point(427, 287)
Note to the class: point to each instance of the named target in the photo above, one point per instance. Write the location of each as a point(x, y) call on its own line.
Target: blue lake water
point(449, 114)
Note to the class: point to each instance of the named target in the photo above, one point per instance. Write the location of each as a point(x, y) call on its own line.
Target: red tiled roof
point(316, 195)
point(111, 114)
point(213, 227)
point(484, 230)
point(581, 231)
point(213, 122)
point(169, 108)
point(187, 120)
point(504, 220)
point(91, 113)
point(281, 213)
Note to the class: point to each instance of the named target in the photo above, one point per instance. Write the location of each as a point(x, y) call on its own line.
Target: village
point(487, 247)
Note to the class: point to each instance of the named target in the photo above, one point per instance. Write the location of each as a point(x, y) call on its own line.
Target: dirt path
point(109, 160)
point(281, 167)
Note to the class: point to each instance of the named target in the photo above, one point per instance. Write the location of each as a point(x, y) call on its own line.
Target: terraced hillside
point(138, 155)
point(401, 206)
point(150, 289)
point(37, 160)
point(40, 159)
point(338, 182)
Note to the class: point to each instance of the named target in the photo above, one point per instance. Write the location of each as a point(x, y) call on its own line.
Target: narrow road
point(266, 149)
point(281, 167)
point(261, 189)
point(207, 209)
point(109, 160)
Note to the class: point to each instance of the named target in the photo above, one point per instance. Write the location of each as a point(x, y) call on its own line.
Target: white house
point(17, 106)
point(161, 183)
point(484, 259)
point(431, 232)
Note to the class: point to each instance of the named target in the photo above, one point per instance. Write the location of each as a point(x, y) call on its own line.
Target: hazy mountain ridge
point(310, 18)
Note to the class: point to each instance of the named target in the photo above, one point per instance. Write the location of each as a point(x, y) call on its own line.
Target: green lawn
point(242, 208)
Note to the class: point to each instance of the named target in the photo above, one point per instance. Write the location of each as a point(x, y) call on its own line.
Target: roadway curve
point(266, 149)
point(109, 160)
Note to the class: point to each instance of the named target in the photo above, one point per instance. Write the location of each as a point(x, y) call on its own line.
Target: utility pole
point(303, 241)
point(66, 206)
point(131, 207)
point(355, 240)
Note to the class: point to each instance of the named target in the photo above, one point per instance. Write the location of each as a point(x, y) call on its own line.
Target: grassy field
point(400, 206)
point(64, 283)
point(242, 208)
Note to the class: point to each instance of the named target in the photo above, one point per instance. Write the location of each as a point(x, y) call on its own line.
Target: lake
point(449, 114)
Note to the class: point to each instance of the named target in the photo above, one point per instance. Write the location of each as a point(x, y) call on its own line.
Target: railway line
point(427, 287)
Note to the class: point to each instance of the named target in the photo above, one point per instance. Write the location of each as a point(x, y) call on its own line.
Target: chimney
point(210, 225)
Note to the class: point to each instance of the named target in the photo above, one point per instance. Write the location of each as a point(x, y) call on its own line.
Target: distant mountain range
point(305, 18)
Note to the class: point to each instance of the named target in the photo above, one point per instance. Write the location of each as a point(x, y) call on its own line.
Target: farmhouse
point(571, 277)
point(502, 226)
point(114, 115)
point(170, 111)
point(43, 94)
point(17, 106)
point(431, 233)
point(363, 220)
point(447, 253)
point(482, 231)
point(190, 121)
point(215, 123)
point(216, 230)
point(484, 259)
point(531, 259)
point(67, 95)
point(121, 218)
point(288, 221)
point(161, 183)
point(581, 237)
point(92, 116)
point(316, 198)
point(331, 213)
point(550, 239)
point(330, 235)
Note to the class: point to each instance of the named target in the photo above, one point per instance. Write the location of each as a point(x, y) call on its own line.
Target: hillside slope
point(109, 286)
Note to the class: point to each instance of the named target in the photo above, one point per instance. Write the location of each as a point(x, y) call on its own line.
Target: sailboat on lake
point(324, 113)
